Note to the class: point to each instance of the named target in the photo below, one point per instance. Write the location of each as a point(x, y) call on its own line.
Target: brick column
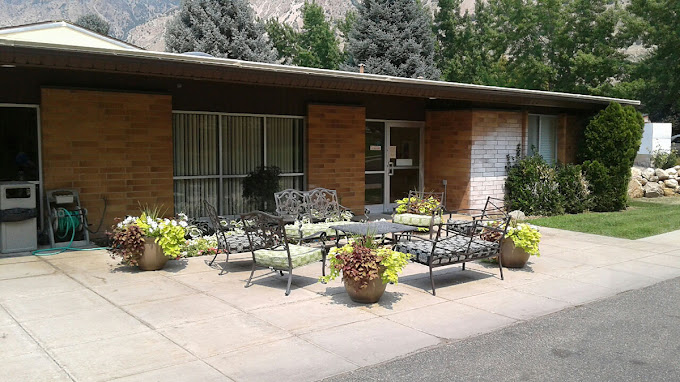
point(109, 145)
point(447, 155)
point(336, 138)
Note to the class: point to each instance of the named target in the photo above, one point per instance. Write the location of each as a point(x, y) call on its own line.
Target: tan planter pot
point(368, 295)
point(153, 258)
point(513, 257)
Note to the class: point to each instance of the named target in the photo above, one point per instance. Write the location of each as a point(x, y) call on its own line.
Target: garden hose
point(65, 222)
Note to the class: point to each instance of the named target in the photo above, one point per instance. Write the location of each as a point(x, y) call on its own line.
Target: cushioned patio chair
point(270, 248)
point(483, 240)
point(228, 240)
point(414, 216)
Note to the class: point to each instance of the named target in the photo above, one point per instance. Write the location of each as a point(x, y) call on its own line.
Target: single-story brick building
point(134, 125)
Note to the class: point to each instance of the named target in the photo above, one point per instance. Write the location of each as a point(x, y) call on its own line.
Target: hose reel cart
point(67, 220)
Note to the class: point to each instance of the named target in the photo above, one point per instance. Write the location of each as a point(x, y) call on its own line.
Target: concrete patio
point(79, 316)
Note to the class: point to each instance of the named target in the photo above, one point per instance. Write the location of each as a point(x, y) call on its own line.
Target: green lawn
point(642, 218)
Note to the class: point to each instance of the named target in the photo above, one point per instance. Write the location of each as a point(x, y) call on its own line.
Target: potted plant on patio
point(148, 241)
point(366, 268)
point(521, 242)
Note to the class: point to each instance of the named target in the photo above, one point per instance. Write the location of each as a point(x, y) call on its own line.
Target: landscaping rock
point(648, 173)
point(672, 172)
point(642, 181)
point(518, 215)
point(663, 175)
point(668, 192)
point(635, 189)
point(653, 190)
point(677, 168)
point(654, 179)
point(670, 183)
point(636, 172)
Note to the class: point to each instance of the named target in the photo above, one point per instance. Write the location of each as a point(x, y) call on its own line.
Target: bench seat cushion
point(416, 220)
point(293, 230)
point(278, 258)
point(449, 250)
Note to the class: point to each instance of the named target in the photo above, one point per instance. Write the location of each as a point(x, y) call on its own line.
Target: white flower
point(183, 224)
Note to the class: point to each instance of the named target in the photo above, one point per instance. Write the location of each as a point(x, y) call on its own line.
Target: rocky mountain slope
point(142, 22)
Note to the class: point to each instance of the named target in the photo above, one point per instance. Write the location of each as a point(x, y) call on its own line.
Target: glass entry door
point(393, 162)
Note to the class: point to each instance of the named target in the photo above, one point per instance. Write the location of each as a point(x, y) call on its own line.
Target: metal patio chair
point(270, 248)
point(226, 243)
point(414, 217)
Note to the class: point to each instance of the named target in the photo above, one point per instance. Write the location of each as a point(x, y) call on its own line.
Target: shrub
point(664, 159)
point(531, 186)
point(260, 185)
point(573, 188)
point(612, 140)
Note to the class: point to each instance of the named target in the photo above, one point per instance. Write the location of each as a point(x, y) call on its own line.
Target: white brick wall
point(494, 137)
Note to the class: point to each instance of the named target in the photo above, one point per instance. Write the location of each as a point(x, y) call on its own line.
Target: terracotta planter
point(368, 295)
point(513, 257)
point(153, 258)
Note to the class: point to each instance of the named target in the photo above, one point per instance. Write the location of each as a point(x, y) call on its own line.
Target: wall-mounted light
point(8, 66)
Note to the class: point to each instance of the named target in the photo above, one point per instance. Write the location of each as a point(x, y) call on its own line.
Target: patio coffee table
point(374, 228)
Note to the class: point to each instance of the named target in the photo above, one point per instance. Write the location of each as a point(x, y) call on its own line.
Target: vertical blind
point(213, 153)
point(542, 136)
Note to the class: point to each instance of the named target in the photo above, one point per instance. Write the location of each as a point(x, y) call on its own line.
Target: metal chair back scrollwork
point(290, 204)
point(322, 204)
point(222, 245)
point(264, 231)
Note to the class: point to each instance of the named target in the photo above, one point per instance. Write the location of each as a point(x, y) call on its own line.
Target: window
point(214, 152)
point(542, 137)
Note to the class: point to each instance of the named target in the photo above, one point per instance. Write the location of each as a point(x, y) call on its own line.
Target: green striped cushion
point(416, 220)
point(278, 258)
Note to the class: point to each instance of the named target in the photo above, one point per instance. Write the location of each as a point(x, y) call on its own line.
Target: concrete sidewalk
point(79, 316)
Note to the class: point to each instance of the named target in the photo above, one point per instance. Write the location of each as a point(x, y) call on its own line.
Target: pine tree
point(222, 28)
point(319, 47)
point(393, 37)
point(285, 39)
point(94, 23)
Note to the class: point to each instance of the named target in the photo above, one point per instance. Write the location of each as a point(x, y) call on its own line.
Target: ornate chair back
point(290, 204)
point(322, 204)
point(264, 231)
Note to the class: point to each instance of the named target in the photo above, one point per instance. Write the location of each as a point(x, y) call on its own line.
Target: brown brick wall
point(109, 145)
point(569, 132)
point(335, 151)
point(447, 155)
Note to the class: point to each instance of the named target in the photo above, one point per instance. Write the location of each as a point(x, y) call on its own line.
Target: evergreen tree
point(94, 23)
point(657, 24)
point(393, 37)
point(222, 28)
point(319, 48)
point(285, 39)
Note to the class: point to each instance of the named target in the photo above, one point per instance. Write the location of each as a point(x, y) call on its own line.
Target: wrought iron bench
point(482, 240)
point(415, 216)
point(270, 248)
point(318, 207)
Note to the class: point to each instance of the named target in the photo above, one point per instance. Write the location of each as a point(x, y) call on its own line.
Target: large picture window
point(542, 137)
point(214, 152)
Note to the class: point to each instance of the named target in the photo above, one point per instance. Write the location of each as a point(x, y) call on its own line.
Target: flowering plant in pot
point(366, 268)
point(148, 241)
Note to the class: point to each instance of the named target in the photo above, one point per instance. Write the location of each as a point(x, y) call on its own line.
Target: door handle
point(390, 167)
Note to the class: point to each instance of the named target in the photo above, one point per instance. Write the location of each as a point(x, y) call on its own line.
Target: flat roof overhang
point(179, 66)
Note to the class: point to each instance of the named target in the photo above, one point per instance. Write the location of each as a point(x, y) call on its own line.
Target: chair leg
point(432, 281)
point(500, 265)
point(252, 272)
point(323, 262)
point(290, 279)
point(463, 266)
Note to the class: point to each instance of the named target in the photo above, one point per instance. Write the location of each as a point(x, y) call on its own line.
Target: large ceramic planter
point(513, 257)
point(368, 295)
point(153, 258)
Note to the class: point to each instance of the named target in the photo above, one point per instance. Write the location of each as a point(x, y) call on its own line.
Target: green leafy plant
point(531, 186)
point(524, 236)
point(664, 159)
point(199, 246)
point(573, 187)
point(260, 185)
point(362, 260)
point(420, 206)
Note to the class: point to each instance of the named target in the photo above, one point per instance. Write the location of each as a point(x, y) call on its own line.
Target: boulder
point(642, 181)
point(670, 183)
point(677, 168)
point(648, 173)
point(668, 192)
point(518, 215)
point(653, 179)
point(672, 172)
point(663, 175)
point(635, 189)
point(636, 172)
point(653, 190)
